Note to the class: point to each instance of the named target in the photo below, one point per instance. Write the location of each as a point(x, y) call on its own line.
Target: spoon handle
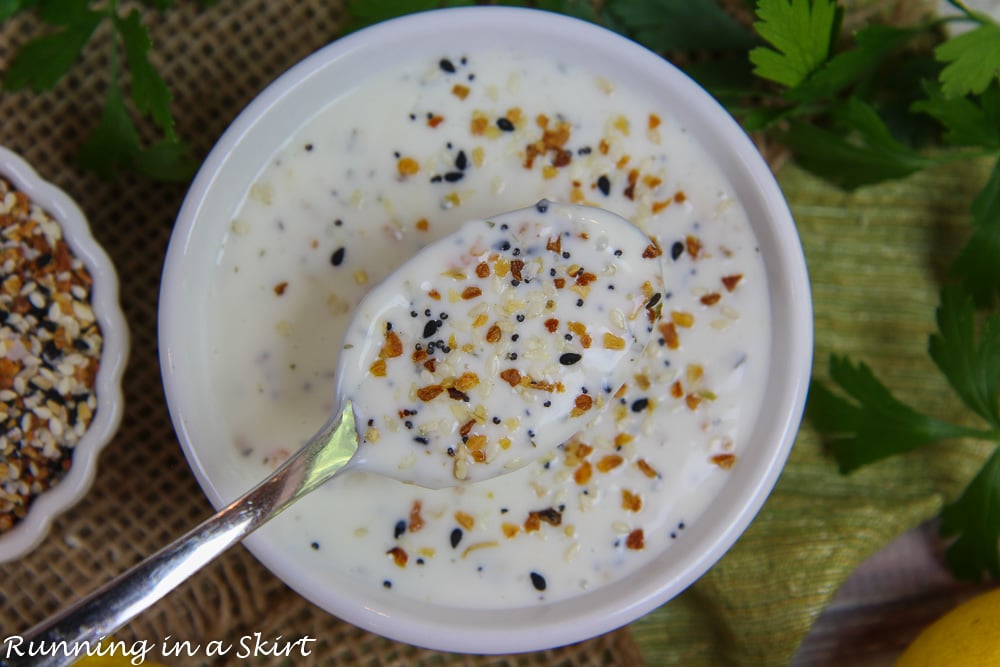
point(65, 637)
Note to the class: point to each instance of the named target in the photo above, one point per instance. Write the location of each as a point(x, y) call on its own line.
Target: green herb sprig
point(831, 113)
point(114, 143)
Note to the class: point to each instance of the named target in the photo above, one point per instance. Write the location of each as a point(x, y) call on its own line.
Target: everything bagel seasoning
point(50, 347)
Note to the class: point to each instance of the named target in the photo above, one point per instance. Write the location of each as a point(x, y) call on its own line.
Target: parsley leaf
point(864, 152)
point(874, 424)
point(975, 519)
point(114, 144)
point(581, 9)
point(966, 123)
point(873, 44)
point(973, 60)
point(802, 34)
point(973, 370)
point(10, 7)
point(166, 160)
point(149, 91)
point(978, 266)
point(63, 12)
point(114, 141)
point(41, 62)
point(664, 25)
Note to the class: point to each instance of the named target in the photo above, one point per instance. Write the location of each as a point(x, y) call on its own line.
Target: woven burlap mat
point(215, 61)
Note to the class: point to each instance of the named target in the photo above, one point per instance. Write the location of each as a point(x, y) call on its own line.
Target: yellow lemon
point(967, 636)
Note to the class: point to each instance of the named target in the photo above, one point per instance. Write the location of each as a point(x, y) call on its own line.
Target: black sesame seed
point(640, 404)
point(569, 358)
point(421, 439)
point(461, 161)
point(505, 124)
point(50, 350)
point(676, 250)
point(454, 176)
point(653, 301)
point(431, 328)
point(456, 537)
point(436, 179)
point(337, 258)
point(586, 150)
point(399, 529)
point(604, 185)
point(447, 66)
point(538, 581)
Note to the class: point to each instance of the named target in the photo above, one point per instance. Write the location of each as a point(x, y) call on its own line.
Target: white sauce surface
point(401, 161)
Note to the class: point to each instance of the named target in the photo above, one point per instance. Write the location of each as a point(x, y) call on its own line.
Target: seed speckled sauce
point(403, 160)
point(463, 365)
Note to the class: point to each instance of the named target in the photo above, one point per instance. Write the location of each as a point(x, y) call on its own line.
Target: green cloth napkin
point(877, 258)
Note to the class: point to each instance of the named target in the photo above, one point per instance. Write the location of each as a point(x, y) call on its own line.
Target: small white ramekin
point(21, 539)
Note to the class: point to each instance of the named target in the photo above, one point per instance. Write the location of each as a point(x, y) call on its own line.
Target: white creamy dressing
point(402, 160)
point(463, 364)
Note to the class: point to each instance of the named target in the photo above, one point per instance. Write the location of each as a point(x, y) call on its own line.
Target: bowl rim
point(31, 530)
point(424, 629)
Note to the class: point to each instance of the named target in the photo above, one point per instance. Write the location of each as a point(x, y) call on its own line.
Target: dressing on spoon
point(498, 343)
point(482, 353)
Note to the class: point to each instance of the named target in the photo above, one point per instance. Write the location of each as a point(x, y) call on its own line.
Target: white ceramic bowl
point(279, 111)
point(30, 531)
